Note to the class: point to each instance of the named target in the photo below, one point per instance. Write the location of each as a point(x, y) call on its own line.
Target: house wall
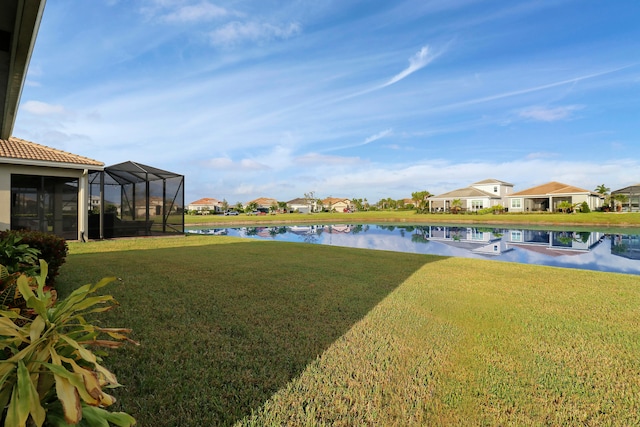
point(503, 190)
point(6, 170)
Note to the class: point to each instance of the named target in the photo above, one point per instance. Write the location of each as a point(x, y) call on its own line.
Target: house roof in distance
point(206, 201)
point(552, 188)
point(464, 192)
point(492, 181)
point(15, 150)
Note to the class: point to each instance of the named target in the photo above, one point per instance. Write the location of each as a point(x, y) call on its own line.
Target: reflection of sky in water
point(416, 240)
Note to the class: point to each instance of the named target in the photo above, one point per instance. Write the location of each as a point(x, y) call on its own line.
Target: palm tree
point(619, 200)
point(602, 189)
point(456, 205)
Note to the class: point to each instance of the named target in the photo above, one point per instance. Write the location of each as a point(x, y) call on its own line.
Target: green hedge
point(53, 249)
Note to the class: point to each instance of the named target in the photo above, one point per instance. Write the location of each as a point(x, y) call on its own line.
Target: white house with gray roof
point(479, 195)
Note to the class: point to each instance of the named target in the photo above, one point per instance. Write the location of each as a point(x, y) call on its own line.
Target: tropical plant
point(456, 205)
point(51, 248)
point(602, 189)
point(47, 372)
point(619, 200)
point(16, 256)
point(420, 197)
point(565, 206)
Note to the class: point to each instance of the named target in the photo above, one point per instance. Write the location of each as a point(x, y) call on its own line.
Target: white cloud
point(416, 62)
point(227, 164)
point(325, 160)
point(203, 11)
point(377, 136)
point(545, 114)
point(238, 32)
point(43, 109)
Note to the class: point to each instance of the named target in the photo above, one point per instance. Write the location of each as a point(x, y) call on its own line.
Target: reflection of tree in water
point(357, 229)
point(420, 235)
point(251, 231)
point(274, 231)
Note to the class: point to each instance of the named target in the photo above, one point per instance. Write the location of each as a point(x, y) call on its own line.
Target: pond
point(590, 250)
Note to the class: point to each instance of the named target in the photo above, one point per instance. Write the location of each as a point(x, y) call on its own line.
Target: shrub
point(53, 249)
point(18, 257)
point(584, 207)
point(48, 374)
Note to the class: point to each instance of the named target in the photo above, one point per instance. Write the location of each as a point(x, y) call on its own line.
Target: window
point(45, 203)
point(516, 203)
point(516, 236)
point(476, 204)
point(495, 189)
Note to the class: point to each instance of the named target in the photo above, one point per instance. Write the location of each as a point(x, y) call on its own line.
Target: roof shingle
point(16, 148)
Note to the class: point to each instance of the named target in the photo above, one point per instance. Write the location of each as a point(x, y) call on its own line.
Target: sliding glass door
point(45, 203)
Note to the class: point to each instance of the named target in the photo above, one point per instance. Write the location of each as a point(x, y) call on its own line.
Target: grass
point(604, 220)
point(269, 333)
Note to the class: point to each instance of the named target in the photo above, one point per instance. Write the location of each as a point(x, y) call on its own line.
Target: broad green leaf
point(37, 326)
point(13, 418)
point(73, 379)
point(28, 393)
point(68, 396)
point(23, 287)
point(83, 352)
point(120, 419)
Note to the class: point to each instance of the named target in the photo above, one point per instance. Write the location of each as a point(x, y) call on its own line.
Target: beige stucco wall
point(6, 170)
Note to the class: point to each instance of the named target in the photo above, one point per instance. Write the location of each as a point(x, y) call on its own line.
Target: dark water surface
point(589, 250)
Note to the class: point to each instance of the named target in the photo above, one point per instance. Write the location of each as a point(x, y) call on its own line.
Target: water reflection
point(590, 250)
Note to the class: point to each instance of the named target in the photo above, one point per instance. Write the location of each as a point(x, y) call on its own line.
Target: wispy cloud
point(377, 136)
point(227, 164)
point(416, 62)
point(546, 114)
point(43, 109)
point(203, 11)
point(238, 32)
point(323, 159)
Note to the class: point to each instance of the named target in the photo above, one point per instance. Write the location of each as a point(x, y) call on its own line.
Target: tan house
point(335, 204)
point(263, 202)
point(206, 204)
point(480, 195)
point(547, 198)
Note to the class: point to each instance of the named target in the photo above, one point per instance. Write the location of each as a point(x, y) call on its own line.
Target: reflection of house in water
point(478, 240)
point(338, 228)
point(554, 243)
point(303, 230)
point(462, 234)
point(626, 245)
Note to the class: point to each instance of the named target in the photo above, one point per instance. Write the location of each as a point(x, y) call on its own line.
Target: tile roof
point(334, 200)
point(551, 188)
point(465, 192)
point(263, 201)
point(207, 201)
point(15, 148)
point(492, 181)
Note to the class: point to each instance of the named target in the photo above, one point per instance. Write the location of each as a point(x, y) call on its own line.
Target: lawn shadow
point(223, 327)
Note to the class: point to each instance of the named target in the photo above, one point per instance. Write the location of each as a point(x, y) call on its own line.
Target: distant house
point(547, 197)
point(480, 195)
point(633, 197)
point(302, 205)
point(336, 204)
point(263, 202)
point(206, 204)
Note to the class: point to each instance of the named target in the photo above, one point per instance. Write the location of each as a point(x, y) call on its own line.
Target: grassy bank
point(594, 219)
point(269, 333)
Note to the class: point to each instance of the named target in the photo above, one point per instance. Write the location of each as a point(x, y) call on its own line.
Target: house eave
point(48, 164)
point(21, 27)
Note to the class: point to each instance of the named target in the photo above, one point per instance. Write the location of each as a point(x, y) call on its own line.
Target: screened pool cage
point(132, 199)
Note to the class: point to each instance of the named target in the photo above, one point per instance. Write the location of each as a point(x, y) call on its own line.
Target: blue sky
point(348, 98)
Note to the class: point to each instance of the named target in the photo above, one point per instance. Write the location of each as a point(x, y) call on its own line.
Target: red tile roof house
point(206, 204)
point(547, 197)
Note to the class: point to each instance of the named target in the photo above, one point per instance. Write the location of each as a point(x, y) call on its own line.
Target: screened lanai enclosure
point(132, 199)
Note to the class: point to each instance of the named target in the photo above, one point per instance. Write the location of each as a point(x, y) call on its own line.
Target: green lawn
point(270, 333)
point(599, 219)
